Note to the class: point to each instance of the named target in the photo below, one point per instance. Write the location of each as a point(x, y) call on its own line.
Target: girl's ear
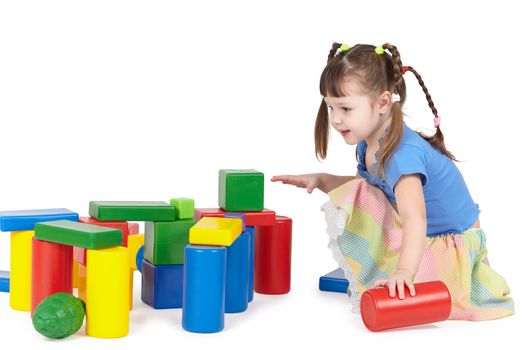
point(384, 101)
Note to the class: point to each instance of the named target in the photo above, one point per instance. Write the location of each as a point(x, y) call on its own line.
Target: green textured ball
point(59, 315)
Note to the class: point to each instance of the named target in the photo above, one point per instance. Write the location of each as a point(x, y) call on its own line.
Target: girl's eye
point(343, 108)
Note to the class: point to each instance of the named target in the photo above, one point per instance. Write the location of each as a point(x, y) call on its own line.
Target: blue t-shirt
point(449, 206)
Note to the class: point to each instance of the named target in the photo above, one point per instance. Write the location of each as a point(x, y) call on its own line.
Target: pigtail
point(437, 140)
point(333, 50)
point(321, 131)
point(322, 125)
point(395, 132)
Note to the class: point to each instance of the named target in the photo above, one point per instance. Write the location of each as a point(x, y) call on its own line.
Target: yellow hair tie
point(344, 47)
point(379, 50)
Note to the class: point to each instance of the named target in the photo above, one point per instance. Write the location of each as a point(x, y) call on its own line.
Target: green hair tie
point(380, 50)
point(344, 47)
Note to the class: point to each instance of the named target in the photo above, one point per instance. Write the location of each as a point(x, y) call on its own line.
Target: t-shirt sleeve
point(407, 159)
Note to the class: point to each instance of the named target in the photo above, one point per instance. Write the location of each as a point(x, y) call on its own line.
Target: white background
point(147, 100)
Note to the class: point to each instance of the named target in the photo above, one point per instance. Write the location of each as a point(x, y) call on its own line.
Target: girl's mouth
point(345, 132)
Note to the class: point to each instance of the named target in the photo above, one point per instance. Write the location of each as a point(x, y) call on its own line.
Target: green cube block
point(164, 242)
point(241, 190)
point(131, 211)
point(184, 207)
point(78, 234)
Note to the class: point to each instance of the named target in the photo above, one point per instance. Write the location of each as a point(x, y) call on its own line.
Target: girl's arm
point(411, 206)
point(329, 182)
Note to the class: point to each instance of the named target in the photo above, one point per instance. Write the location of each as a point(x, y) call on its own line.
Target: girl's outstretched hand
point(308, 181)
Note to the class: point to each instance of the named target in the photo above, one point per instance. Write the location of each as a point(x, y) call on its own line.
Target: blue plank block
point(162, 285)
point(21, 220)
point(334, 281)
point(4, 281)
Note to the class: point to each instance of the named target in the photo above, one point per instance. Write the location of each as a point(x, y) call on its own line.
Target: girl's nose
point(336, 119)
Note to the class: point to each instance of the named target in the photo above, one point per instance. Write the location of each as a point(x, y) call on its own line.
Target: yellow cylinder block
point(107, 292)
point(131, 288)
point(20, 276)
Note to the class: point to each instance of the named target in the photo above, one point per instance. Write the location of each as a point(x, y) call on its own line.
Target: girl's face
point(355, 116)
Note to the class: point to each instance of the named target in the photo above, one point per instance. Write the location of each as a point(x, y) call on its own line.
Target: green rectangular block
point(131, 211)
point(164, 242)
point(241, 190)
point(78, 234)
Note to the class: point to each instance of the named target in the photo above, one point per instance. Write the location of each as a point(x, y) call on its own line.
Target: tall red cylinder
point(431, 303)
point(273, 257)
point(51, 270)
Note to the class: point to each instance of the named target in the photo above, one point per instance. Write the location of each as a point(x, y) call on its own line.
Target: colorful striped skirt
point(365, 235)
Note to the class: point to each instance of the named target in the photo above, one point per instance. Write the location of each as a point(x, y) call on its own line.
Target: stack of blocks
point(123, 211)
point(162, 266)
point(107, 212)
point(129, 235)
point(21, 224)
point(270, 235)
point(207, 261)
point(219, 267)
point(105, 285)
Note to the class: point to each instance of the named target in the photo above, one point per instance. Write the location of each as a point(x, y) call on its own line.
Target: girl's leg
point(365, 238)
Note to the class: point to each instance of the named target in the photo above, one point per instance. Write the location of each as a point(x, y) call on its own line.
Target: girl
point(407, 216)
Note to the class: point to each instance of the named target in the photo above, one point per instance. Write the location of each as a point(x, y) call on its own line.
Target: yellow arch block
point(107, 292)
point(75, 274)
point(20, 275)
point(134, 244)
point(81, 281)
point(215, 231)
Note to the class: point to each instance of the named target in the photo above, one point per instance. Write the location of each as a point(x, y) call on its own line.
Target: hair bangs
point(332, 80)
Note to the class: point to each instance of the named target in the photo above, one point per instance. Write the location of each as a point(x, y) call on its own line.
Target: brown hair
point(375, 73)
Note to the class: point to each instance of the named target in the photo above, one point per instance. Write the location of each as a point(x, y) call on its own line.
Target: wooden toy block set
point(208, 262)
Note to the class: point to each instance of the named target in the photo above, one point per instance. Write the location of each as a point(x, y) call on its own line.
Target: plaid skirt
point(365, 234)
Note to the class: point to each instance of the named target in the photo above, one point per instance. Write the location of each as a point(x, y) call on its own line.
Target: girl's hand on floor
point(398, 279)
point(308, 181)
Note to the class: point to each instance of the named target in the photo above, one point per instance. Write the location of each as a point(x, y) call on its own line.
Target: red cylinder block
point(431, 303)
point(273, 257)
point(51, 270)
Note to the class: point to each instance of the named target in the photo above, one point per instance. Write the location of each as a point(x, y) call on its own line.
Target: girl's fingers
point(290, 180)
point(401, 289)
point(392, 289)
point(412, 289)
point(391, 284)
point(310, 187)
point(284, 178)
point(279, 178)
